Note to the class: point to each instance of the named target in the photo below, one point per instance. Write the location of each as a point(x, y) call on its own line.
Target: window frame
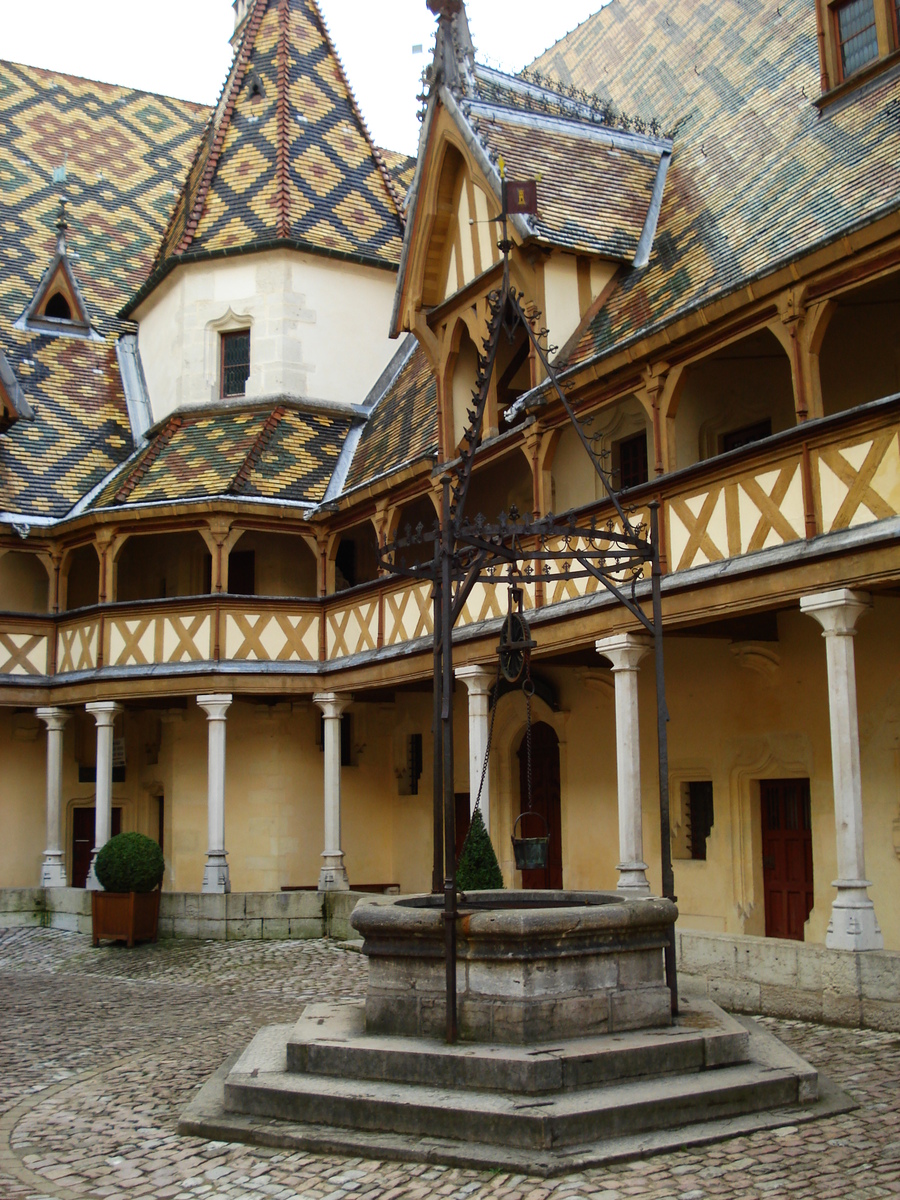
point(833, 80)
point(224, 336)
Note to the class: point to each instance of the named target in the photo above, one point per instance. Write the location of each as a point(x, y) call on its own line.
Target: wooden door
point(787, 856)
point(83, 841)
point(544, 800)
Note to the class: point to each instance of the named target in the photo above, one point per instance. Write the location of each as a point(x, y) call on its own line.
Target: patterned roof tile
point(285, 149)
point(759, 175)
point(403, 425)
point(274, 453)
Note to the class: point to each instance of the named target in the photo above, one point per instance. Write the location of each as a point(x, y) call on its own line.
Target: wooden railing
point(823, 477)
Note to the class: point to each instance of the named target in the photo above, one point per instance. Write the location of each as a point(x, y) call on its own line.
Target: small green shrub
point(130, 862)
point(478, 869)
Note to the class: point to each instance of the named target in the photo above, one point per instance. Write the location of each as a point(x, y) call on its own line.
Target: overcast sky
point(180, 47)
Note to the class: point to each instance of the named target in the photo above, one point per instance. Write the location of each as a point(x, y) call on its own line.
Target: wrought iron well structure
point(515, 551)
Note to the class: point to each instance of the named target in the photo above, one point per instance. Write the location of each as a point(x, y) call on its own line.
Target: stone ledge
point(792, 979)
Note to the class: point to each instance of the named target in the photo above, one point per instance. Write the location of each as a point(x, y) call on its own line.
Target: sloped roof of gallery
point(286, 159)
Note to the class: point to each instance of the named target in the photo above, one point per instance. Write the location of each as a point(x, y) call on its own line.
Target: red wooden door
point(544, 800)
point(787, 856)
point(83, 841)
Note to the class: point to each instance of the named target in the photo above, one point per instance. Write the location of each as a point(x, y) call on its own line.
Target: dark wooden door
point(787, 856)
point(544, 800)
point(83, 841)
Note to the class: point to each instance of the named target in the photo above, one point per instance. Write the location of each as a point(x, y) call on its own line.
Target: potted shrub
point(130, 868)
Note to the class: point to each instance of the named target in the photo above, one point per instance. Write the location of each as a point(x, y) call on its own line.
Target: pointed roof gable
point(57, 306)
point(12, 399)
point(286, 158)
point(601, 176)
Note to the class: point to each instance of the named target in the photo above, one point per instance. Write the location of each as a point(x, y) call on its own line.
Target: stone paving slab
point(100, 1050)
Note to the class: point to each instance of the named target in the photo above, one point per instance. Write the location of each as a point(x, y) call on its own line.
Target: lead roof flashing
point(619, 139)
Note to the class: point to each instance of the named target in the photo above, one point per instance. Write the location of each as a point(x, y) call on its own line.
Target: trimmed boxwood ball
point(130, 862)
point(478, 869)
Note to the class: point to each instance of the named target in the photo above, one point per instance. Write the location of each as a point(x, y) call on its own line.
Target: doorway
point(787, 856)
point(83, 841)
point(545, 801)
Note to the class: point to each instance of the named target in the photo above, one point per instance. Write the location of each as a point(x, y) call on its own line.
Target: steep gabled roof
point(286, 157)
point(759, 176)
point(600, 176)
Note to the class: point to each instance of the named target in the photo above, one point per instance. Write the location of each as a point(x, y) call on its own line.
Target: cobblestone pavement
point(100, 1050)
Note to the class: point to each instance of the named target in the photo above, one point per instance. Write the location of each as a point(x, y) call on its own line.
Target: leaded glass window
point(235, 362)
point(857, 35)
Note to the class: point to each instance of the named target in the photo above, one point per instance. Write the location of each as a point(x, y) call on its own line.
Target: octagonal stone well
point(532, 966)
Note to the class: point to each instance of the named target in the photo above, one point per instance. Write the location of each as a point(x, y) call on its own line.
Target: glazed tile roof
point(402, 426)
point(759, 176)
point(286, 155)
point(402, 168)
point(598, 204)
point(119, 156)
point(276, 453)
point(80, 429)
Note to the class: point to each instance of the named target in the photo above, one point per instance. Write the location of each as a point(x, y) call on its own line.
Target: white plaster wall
point(318, 328)
point(562, 311)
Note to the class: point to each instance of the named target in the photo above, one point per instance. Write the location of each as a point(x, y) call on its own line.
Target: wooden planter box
point(125, 916)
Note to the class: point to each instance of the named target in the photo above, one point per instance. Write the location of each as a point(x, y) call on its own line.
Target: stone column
point(625, 651)
point(216, 877)
point(333, 875)
point(104, 713)
point(479, 682)
point(53, 869)
point(853, 924)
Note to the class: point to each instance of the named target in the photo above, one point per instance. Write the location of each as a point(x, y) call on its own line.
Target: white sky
point(180, 47)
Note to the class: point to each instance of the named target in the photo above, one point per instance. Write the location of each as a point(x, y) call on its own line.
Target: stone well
point(532, 966)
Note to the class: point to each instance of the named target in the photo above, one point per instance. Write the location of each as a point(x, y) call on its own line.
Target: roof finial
point(454, 54)
point(62, 225)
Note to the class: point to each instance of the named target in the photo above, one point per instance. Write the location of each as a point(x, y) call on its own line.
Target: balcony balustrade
point(819, 478)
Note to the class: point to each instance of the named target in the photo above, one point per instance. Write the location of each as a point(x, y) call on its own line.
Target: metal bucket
point(530, 853)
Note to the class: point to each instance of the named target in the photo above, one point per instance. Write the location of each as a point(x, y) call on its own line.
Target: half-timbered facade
point(208, 433)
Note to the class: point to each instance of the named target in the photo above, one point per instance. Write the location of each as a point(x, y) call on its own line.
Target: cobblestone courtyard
point(100, 1049)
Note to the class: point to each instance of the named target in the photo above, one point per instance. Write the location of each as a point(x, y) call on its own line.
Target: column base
point(53, 870)
point(333, 875)
point(853, 924)
point(216, 876)
point(92, 883)
point(632, 879)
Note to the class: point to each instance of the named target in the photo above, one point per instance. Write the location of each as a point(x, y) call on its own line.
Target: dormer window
point(857, 37)
point(57, 307)
point(235, 369)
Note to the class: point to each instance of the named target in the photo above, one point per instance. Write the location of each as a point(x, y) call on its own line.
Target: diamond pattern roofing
point(759, 176)
point(403, 425)
point(274, 453)
point(118, 156)
point(286, 156)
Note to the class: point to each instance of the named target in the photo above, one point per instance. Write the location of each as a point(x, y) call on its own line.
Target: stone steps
point(329, 1040)
point(325, 1084)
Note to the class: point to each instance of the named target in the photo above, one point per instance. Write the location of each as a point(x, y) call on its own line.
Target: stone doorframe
point(785, 756)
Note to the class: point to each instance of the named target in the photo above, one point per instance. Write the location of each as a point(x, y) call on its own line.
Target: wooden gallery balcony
point(813, 481)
